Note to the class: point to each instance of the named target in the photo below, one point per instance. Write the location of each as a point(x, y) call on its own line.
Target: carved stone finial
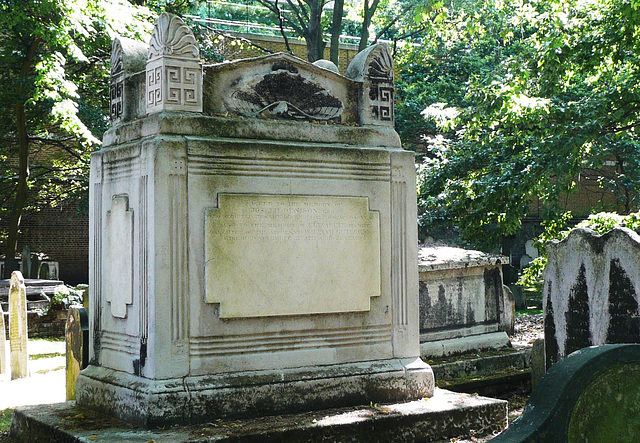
point(172, 37)
point(374, 68)
point(116, 86)
point(174, 68)
point(128, 57)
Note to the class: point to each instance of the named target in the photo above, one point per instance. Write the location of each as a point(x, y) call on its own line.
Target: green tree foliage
point(552, 88)
point(54, 70)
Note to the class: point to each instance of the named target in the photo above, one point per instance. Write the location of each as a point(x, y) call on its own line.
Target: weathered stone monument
point(3, 344)
point(463, 306)
point(591, 291)
point(77, 349)
point(253, 238)
point(18, 326)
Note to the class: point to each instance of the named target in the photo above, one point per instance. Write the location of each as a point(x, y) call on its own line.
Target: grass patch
point(5, 420)
point(50, 355)
point(49, 339)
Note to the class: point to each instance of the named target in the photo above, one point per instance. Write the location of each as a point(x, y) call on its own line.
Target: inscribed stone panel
point(269, 255)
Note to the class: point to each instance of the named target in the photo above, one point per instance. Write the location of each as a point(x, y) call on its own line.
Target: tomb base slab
point(444, 416)
point(198, 399)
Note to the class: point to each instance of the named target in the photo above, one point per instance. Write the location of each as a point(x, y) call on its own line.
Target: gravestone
point(253, 239)
point(76, 333)
point(591, 291)
point(3, 344)
point(44, 271)
point(10, 265)
point(591, 395)
point(18, 326)
point(25, 262)
point(35, 266)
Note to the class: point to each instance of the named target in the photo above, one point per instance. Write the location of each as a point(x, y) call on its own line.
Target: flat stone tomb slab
point(296, 254)
point(420, 420)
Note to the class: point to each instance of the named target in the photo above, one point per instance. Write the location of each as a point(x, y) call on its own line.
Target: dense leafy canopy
point(547, 90)
point(54, 68)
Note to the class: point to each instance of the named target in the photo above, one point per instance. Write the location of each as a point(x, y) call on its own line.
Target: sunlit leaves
point(561, 95)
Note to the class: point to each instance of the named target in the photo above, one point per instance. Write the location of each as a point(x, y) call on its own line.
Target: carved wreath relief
point(283, 93)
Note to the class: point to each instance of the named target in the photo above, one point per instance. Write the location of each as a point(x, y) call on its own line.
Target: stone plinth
point(591, 291)
point(443, 417)
point(18, 326)
point(462, 303)
point(257, 257)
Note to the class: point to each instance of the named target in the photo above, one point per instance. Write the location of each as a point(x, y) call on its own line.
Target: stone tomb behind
point(253, 238)
point(463, 306)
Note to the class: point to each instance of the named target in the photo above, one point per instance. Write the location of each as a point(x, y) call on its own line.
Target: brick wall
point(61, 234)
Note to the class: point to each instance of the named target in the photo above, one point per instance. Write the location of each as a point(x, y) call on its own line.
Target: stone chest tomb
point(253, 238)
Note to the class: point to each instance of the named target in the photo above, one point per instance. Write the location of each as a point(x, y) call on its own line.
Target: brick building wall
point(63, 235)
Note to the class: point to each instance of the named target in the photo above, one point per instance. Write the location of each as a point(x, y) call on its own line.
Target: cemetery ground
point(47, 384)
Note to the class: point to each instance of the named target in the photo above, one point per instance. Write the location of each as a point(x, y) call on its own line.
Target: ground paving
point(46, 383)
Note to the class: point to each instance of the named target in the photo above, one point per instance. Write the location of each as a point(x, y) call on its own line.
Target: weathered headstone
point(591, 291)
point(77, 346)
point(538, 362)
point(10, 265)
point(18, 326)
point(35, 266)
point(591, 395)
point(3, 344)
point(518, 297)
point(256, 264)
point(44, 271)
point(25, 262)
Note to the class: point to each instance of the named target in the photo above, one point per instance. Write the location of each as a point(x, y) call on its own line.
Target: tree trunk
point(369, 10)
point(313, 36)
point(336, 30)
point(22, 192)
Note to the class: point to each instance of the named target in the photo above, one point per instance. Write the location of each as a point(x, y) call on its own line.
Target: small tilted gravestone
point(77, 338)
point(18, 326)
point(3, 345)
point(591, 291)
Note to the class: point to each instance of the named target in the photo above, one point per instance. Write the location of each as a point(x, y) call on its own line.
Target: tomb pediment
point(278, 86)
